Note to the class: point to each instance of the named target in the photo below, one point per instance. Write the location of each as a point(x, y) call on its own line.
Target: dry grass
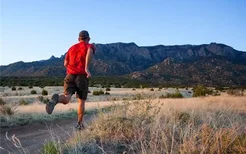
point(196, 125)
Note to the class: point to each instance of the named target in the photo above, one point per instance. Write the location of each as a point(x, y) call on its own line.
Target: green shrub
point(45, 101)
point(177, 94)
point(13, 88)
point(50, 148)
point(98, 92)
point(2, 102)
point(20, 88)
point(23, 102)
point(107, 89)
point(33, 92)
point(44, 92)
point(201, 90)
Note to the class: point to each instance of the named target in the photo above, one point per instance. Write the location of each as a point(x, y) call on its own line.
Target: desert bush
point(140, 127)
point(177, 94)
point(8, 110)
point(2, 102)
point(45, 101)
point(33, 92)
point(108, 89)
point(201, 90)
point(20, 88)
point(23, 102)
point(106, 93)
point(152, 89)
point(44, 92)
point(13, 88)
point(40, 98)
point(235, 92)
point(138, 97)
point(98, 92)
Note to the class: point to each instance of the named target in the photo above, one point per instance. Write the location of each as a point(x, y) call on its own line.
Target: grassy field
point(140, 121)
point(191, 125)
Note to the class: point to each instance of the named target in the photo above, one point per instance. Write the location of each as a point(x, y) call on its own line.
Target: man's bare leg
point(57, 99)
point(81, 111)
point(65, 99)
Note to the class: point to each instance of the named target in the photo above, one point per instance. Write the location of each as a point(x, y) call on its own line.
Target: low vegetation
point(13, 88)
point(98, 92)
point(201, 90)
point(2, 102)
point(177, 94)
point(23, 102)
point(108, 89)
point(7, 110)
point(33, 92)
point(142, 127)
point(44, 92)
point(235, 92)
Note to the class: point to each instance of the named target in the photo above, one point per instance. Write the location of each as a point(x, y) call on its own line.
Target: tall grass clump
point(145, 127)
point(201, 90)
point(2, 102)
point(7, 110)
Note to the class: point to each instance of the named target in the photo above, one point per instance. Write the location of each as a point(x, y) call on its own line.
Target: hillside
point(208, 63)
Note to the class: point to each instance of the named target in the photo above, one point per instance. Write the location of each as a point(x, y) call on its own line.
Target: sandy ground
point(33, 137)
point(115, 94)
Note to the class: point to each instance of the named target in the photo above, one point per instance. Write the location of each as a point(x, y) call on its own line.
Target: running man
point(76, 61)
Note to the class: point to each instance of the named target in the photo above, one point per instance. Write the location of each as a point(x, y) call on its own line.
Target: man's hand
point(88, 73)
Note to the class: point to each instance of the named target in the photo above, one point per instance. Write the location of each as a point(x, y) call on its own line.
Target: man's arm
point(65, 63)
point(66, 59)
point(87, 61)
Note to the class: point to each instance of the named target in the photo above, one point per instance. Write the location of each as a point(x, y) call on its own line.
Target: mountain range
point(209, 64)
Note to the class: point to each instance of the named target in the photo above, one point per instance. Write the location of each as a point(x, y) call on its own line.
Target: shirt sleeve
point(92, 47)
point(67, 56)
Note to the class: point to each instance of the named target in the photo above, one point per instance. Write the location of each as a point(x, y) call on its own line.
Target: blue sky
point(36, 29)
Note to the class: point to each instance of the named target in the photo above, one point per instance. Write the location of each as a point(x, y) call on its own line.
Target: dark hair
point(83, 35)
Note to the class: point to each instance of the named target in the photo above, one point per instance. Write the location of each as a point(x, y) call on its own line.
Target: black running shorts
point(76, 83)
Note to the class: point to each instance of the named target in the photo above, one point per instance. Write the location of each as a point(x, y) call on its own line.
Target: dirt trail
point(33, 136)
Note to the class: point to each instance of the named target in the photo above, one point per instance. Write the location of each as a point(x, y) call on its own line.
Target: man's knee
point(65, 99)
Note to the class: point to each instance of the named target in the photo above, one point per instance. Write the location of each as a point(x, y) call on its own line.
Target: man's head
point(84, 36)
